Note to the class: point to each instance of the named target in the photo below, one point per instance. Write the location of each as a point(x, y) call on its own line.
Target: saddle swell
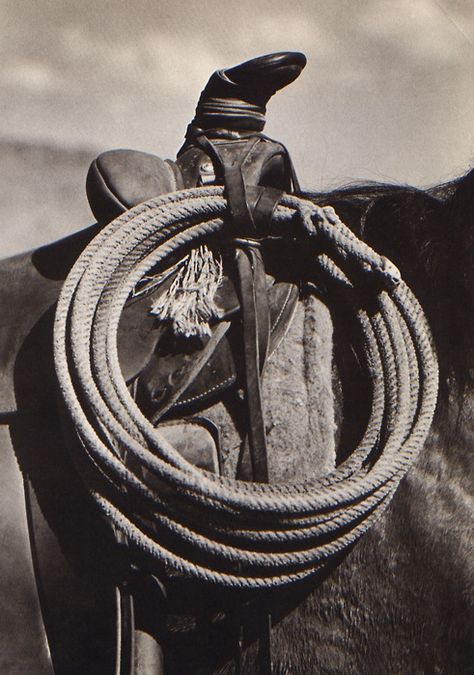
point(120, 179)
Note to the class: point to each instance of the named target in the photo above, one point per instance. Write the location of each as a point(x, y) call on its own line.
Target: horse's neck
point(454, 417)
point(446, 465)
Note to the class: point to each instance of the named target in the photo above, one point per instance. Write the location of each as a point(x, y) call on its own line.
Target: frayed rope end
point(189, 303)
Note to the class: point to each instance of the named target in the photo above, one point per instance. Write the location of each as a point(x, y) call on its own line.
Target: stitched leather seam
point(280, 314)
point(205, 393)
point(111, 193)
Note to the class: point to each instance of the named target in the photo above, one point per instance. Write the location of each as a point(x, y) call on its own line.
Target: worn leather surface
point(120, 179)
point(247, 88)
point(24, 296)
point(266, 165)
point(35, 494)
point(163, 361)
point(30, 287)
point(23, 645)
point(195, 440)
point(145, 346)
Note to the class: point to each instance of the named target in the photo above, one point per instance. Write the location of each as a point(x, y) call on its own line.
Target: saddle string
point(223, 531)
point(189, 302)
point(256, 335)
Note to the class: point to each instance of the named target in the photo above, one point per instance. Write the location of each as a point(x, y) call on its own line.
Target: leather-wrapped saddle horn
point(231, 114)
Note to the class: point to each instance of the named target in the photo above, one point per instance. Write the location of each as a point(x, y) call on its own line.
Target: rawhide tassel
point(189, 302)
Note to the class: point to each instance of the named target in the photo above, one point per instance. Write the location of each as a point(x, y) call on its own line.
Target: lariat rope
point(217, 529)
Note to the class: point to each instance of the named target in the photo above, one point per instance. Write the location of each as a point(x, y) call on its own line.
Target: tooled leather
point(163, 372)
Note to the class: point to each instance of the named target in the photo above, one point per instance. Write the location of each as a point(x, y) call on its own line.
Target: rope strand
point(224, 531)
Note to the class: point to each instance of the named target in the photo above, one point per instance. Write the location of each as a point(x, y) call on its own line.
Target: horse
point(399, 601)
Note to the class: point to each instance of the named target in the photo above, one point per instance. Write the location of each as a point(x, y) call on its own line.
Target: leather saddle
point(176, 376)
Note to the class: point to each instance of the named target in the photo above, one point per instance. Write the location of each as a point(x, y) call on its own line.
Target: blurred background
point(387, 94)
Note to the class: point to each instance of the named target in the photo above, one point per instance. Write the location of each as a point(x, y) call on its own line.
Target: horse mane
point(429, 235)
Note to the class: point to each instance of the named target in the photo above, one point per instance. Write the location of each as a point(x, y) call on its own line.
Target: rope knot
point(305, 214)
point(389, 272)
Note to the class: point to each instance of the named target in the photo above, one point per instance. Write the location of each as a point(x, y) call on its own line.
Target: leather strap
point(251, 208)
point(253, 293)
point(232, 176)
point(264, 645)
point(256, 332)
point(294, 182)
point(24, 643)
point(125, 660)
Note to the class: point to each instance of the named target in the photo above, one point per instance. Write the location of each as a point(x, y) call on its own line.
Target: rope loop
point(216, 529)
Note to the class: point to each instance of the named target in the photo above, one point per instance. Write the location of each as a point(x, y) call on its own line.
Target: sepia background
point(387, 94)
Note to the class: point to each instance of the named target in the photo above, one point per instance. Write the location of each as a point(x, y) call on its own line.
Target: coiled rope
point(216, 529)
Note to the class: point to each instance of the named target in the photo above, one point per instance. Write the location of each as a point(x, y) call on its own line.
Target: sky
point(387, 93)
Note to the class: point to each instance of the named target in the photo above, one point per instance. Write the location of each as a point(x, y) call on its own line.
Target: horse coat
point(343, 624)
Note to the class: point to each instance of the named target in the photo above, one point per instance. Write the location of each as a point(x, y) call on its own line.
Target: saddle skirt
point(163, 363)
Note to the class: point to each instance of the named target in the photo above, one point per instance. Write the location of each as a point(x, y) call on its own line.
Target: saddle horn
point(236, 98)
point(224, 143)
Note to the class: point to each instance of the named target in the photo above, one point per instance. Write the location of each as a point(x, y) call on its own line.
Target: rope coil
point(213, 528)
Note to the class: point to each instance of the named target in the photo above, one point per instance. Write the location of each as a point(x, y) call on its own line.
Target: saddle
point(177, 375)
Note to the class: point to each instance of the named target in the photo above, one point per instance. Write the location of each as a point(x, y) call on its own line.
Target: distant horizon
point(79, 148)
point(42, 191)
point(386, 95)
point(87, 151)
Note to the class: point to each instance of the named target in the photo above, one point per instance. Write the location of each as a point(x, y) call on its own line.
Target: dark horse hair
point(429, 235)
